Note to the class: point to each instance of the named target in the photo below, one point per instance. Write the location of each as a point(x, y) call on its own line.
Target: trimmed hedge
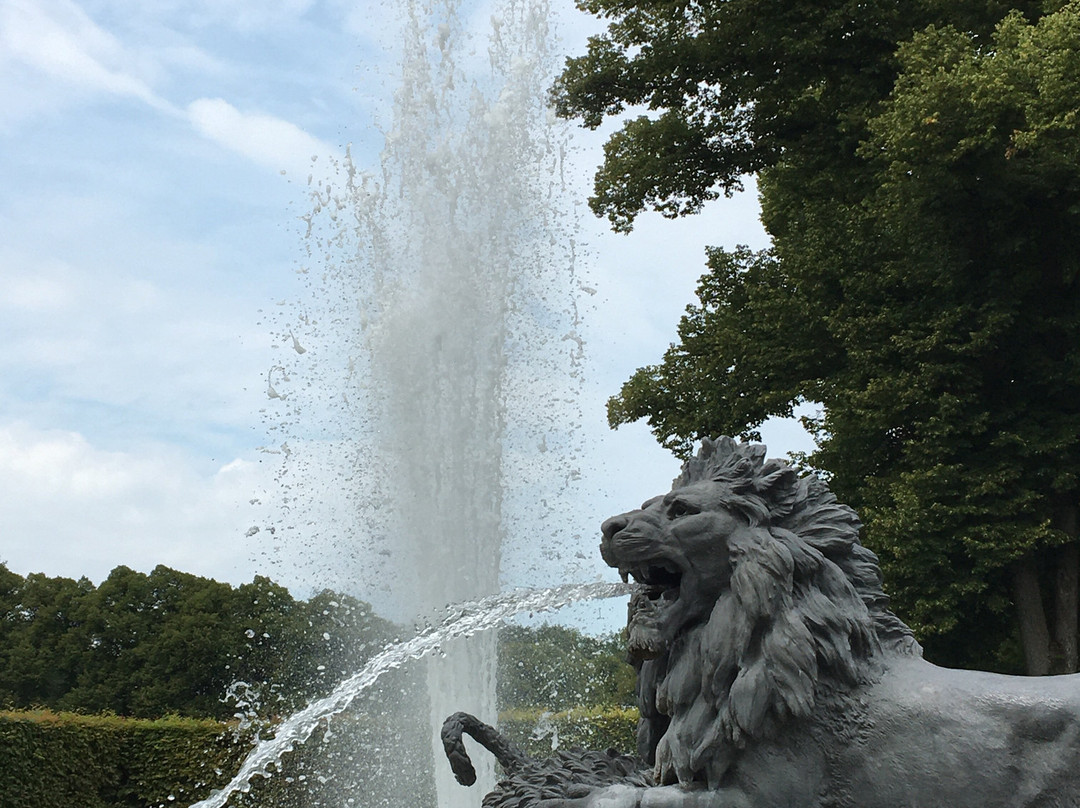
point(60, 760)
point(65, 760)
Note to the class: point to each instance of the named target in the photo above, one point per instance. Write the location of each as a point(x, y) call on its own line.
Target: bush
point(382, 755)
point(65, 760)
point(538, 732)
point(59, 760)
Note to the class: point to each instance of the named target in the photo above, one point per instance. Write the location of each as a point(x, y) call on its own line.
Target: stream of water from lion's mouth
point(461, 620)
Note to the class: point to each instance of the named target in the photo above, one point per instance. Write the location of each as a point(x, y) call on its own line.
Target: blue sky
point(155, 160)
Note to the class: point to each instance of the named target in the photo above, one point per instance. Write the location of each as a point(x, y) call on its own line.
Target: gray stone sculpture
point(772, 673)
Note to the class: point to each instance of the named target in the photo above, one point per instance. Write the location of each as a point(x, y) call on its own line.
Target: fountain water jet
point(444, 297)
point(461, 622)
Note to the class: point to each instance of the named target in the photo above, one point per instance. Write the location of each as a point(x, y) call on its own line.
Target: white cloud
point(34, 286)
point(377, 24)
point(52, 52)
point(37, 294)
point(79, 312)
point(136, 358)
point(246, 15)
point(268, 141)
point(70, 508)
point(58, 39)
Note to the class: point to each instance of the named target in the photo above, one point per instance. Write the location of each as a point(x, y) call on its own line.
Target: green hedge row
point(64, 760)
point(60, 760)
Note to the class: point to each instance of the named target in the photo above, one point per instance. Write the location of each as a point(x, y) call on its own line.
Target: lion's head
point(756, 600)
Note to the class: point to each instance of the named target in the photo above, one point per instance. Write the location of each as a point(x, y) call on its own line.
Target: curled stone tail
point(506, 752)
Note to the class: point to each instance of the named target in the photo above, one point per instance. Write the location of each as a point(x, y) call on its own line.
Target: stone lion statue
point(772, 673)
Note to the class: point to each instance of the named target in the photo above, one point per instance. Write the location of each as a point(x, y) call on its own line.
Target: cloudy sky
point(154, 158)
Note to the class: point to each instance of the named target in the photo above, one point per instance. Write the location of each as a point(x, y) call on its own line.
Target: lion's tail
point(505, 751)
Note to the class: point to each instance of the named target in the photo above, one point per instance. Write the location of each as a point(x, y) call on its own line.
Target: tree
point(976, 153)
point(152, 645)
point(918, 173)
point(41, 636)
point(556, 668)
point(173, 643)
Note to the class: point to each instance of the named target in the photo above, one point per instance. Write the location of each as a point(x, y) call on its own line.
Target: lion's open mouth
point(659, 582)
point(650, 607)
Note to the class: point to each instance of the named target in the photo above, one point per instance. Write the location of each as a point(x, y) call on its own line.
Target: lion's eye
point(680, 508)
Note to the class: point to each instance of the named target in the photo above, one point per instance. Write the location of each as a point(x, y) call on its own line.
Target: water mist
point(433, 369)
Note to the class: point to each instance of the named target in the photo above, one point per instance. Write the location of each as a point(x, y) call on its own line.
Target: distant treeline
point(171, 643)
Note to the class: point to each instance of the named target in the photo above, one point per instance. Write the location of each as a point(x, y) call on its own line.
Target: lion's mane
point(771, 671)
point(803, 618)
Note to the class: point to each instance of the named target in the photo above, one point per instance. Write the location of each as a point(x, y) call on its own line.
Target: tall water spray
point(434, 367)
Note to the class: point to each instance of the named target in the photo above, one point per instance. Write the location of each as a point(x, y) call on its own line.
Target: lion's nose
point(614, 525)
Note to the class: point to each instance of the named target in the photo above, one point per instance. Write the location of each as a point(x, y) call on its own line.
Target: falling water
point(461, 622)
point(440, 355)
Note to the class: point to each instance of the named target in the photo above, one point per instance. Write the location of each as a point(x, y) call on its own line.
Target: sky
point(155, 160)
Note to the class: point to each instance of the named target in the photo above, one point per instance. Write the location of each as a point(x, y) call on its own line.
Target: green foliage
point(539, 732)
point(919, 174)
point(59, 760)
point(731, 88)
point(736, 362)
point(169, 642)
point(68, 765)
point(41, 638)
point(557, 668)
point(62, 759)
point(179, 757)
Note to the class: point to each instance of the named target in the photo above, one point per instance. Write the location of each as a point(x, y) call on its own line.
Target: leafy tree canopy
point(173, 643)
point(918, 170)
point(725, 89)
